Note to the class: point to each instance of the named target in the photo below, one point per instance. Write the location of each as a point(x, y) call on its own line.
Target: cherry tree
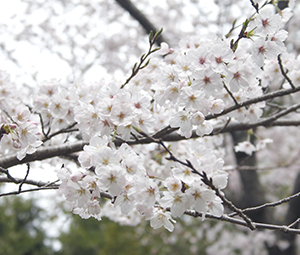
point(203, 125)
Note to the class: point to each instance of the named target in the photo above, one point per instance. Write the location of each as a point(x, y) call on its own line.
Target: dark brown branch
point(25, 191)
point(25, 178)
point(272, 95)
point(40, 185)
point(140, 17)
point(226, 218)
point(66, 149)
point(284, 73)
point(272, 204)
point(43, 153)
point(255, 5)
point(230, 94)
point(30, 182)
point(68, 129)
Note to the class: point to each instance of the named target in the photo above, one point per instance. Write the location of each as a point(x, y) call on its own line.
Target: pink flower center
point(206, 80)
point(265, 22)
point(261, 50)
point(121, 115)
point(201, 61)
point(137, 105)
point(219, 60)
point(236, 75)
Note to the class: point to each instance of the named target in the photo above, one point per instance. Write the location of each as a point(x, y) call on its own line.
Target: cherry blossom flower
point(121, 114)
point(161, 218)
point(221, 54)
point(182, 120)
point(216, 106)
point(173, 184)
point(22, 114)
point(199, 57)
point(267, 22)
point(192, 99)
point(215, 207)
point(58, 106)
point(125, 202)
point(144, 192)
point(204, 129)
point(263, 143)
point(208, 80)
point(201, 196)
point(264, 49)
point(239, 76)
point(183, 66)
point(246, 147)
point(164, 49)
point(105, 157)
point(173, 91)
point(178, 202)
point(111, 178)
point(197, 118)
point(184, 174)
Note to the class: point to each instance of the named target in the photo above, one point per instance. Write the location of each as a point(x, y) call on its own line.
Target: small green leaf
point(150, 36)
point(245, 24)
point(134, 67)
point(145, 64)
point(156, 49)
point(158, 34)
point(142, 57)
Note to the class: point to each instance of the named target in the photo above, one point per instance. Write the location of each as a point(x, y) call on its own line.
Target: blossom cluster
point(199, 79)
point(121, 174)
point(20, 126)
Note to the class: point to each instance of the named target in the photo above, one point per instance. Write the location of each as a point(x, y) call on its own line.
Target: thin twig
point(272, 204)
point(43, 126)
point(25, 178)
point(285, 73)
point(230, 94)
point(228, 203)
point(294, 223)
point(29, 182)
point(255, 5)
point(224, 127)
point(137, 67)
point(26, 190)
point(5, 171)
point(265, 97)
point(226, 218)
point(68, 129)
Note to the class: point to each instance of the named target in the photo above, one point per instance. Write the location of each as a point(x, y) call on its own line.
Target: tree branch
point(141, 18)
point(265, 97)
point(43, 153)
point(272, 204)
point(226, 218)
point(66, 149)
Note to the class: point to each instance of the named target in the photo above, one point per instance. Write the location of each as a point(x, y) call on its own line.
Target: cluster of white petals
point(199, 79)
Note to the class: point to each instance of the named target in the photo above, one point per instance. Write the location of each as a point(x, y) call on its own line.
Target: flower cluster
point(200, 79)
point(19, 125)
point(121, 175)
point(185, 90)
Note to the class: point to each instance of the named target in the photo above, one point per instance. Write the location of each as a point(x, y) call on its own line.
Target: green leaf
point(158, 34)
point(145, 64)
point(150, 36)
